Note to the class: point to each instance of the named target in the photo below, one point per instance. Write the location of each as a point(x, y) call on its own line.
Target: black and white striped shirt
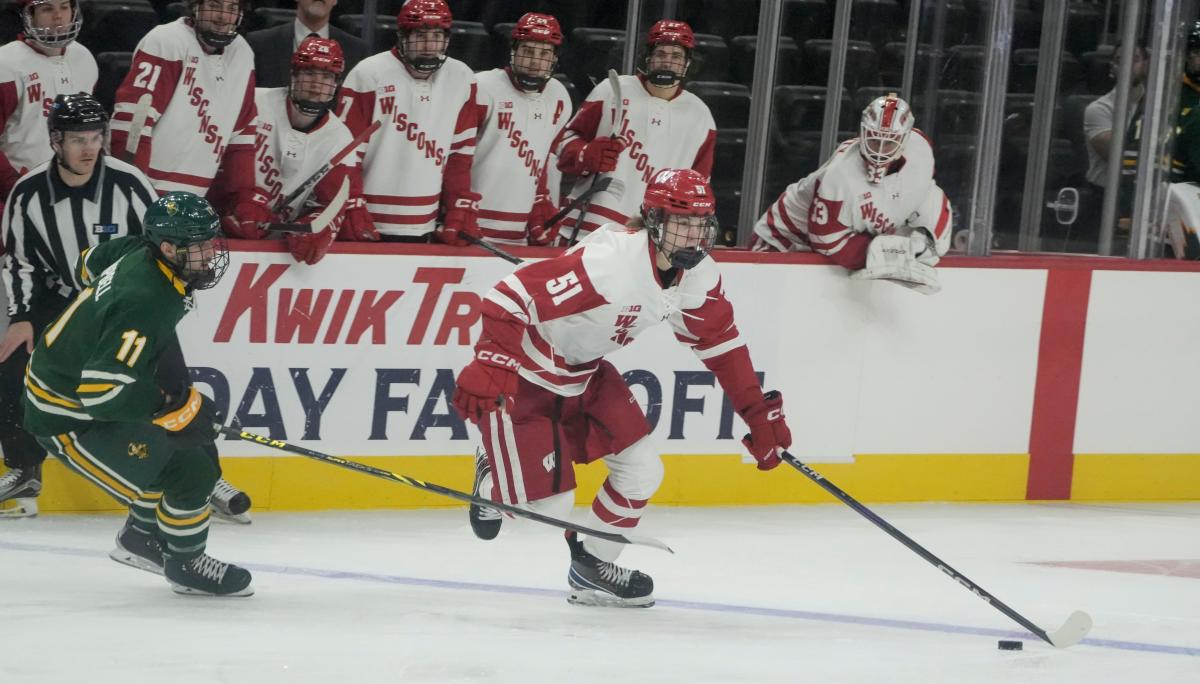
point(47, 224)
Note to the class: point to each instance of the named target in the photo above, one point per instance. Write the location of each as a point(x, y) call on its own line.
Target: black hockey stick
point(492, 248)
point(1073, 630)
point(438, 489)
point(284, 206)
point(599, 185)
point(322, 221)
point(618, 115)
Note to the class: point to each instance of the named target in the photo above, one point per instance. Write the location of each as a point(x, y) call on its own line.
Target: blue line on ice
point(663, 603)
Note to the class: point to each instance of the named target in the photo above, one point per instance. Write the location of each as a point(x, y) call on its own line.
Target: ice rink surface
point(766, 594)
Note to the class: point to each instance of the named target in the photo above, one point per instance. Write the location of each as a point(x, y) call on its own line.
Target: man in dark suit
point(273, 47)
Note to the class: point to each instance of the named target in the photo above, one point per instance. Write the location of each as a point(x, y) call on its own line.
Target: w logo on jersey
point(623, 324)
point(34, 92)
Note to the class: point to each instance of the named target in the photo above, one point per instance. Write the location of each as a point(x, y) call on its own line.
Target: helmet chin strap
point(663, 78)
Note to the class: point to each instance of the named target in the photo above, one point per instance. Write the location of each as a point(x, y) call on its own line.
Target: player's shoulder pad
point(457, 69)
point(555, 90)
point(168, 41)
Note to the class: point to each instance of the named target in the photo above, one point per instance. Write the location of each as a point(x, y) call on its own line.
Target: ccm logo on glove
point(498, 359)
point(466, 203)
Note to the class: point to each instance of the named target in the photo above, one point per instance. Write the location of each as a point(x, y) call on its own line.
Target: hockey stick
point(493, 249)
point(438, 489)
point(619, 111)
point(284, 206)
point(322, 221)
point(1073, 630)
point(600, 185)
point(141, 112)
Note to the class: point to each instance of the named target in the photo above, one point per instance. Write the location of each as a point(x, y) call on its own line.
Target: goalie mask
point(668, 55)
point(51, 24)
point(536, 40)
point(317, 67)
point(678, 211)
point(216, 22)
point(886, 123)
point(188, 223)
point(423, 32)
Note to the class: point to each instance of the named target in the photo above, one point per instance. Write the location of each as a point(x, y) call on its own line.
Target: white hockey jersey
point(201, 105)
point(658, 134)
point(29, 82)
point(600, 296)
point(420, 159)
point(512, 156)
point(836, 211)
point(284, 157)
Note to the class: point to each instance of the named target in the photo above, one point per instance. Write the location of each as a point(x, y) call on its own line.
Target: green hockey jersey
point(97, 361)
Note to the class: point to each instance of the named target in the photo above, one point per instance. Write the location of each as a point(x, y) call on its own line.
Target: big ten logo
point(518, 141)
point(423, 141)
point(207, 127)
point(268, 170)
point(285, 315)
point(635, 150)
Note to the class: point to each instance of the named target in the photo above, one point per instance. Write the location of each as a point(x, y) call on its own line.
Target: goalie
point(873, 207)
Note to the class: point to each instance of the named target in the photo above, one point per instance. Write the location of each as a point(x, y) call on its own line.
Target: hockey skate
point(600, 583)
point(207, 576)
point(230, 503)
point(138, 549)
point(485, 522)
point(19, 489)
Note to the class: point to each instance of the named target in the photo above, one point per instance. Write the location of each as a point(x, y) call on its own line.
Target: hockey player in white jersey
point(297, 134)
point(544, 397)
point(873, 207)
point(664, 127)
point(522, 111)
point(188, 99)
point(417, 167)
point(42, 63)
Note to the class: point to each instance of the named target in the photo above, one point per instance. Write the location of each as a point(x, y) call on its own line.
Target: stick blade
point(1073, 630)
point(648, 541)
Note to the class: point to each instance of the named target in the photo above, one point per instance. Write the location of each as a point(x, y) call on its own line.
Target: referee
point(58, 209)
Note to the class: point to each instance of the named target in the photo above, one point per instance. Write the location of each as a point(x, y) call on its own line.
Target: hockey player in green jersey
point(92, 399)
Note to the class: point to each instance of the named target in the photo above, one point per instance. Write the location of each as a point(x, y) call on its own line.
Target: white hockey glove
point(903, 259)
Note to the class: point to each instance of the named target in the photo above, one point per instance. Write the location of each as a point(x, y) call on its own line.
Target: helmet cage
point(885, 126)
point(199, 269)
point(51, 37)
point(532, 82)
point(205, 28)
point(309, 76)
point(423, 64)
point(684, 239)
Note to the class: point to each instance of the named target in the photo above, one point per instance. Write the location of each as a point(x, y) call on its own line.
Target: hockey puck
point(1010, 645)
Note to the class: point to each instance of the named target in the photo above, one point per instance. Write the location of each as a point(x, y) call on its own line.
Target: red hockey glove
point(769, 432)
point(310, 248)
point(486, 384)
point(600, 155)
point(356, 222)
point(461, 217)
point(248, 213)
point(543, 210)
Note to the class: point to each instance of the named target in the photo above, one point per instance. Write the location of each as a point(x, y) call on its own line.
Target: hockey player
point(873, 207)
point(188, 99)
point(92, 399)
point(418, 165)
point(544, 397)
point(523, 109)
point(664, 127)
point(297, 135)
point(44, 62)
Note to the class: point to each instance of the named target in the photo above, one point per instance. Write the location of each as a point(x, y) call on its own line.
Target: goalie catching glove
point(907, 260)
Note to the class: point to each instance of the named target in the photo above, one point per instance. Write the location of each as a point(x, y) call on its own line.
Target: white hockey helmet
point(886, 123)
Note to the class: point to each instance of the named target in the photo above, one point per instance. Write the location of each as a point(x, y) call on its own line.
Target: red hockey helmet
point(538, 27)
point(322, 54)
point(670, 31)
point(417, 14)
point(678, 211)
point(680, 191)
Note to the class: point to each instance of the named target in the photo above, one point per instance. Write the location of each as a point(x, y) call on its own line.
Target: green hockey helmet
point(189, 224)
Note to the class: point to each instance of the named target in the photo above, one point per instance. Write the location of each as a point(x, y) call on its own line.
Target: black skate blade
point(134, 561)
point(189, 591)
